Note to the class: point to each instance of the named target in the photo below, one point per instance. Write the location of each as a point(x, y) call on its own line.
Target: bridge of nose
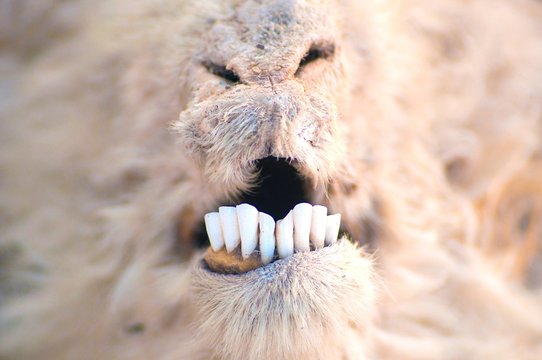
point(258, 68)
point(264, 41)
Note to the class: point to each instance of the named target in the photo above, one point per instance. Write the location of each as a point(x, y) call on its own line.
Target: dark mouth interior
point(278, 189)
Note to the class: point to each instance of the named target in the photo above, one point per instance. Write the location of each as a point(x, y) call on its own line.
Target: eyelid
point(221, 71)
point(315, 52)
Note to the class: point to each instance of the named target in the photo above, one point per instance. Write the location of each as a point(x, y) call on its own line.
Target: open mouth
point(272, 221)
point(279, 189)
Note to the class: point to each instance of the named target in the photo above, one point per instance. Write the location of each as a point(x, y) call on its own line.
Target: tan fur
point(306, 300)
point(423, 131)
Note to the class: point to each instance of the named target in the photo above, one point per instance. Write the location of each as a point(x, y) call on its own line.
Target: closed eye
point(316, 52)
point(221, 71)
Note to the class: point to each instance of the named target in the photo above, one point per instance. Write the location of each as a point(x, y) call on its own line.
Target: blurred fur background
point(440, 111)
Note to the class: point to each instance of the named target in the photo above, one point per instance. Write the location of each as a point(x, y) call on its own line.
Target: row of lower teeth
point(244, 225)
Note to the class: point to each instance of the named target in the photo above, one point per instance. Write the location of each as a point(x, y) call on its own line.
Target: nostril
point(222, 71)
point(316, 52)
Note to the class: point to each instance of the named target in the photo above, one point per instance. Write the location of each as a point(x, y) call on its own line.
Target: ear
point(313, 305)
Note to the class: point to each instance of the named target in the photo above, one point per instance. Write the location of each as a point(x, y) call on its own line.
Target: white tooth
point(230, 228)
point(212, 224)
point(332, 228)
point(302, 226)
point(267, 238)
point(285, 236)
point(318, 225)
point(247, 216)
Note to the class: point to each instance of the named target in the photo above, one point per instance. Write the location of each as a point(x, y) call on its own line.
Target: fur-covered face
point(125, 122)
point(267, 84)
point(269, 114)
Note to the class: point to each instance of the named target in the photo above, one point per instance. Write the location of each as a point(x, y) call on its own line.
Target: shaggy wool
point(122, 122)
